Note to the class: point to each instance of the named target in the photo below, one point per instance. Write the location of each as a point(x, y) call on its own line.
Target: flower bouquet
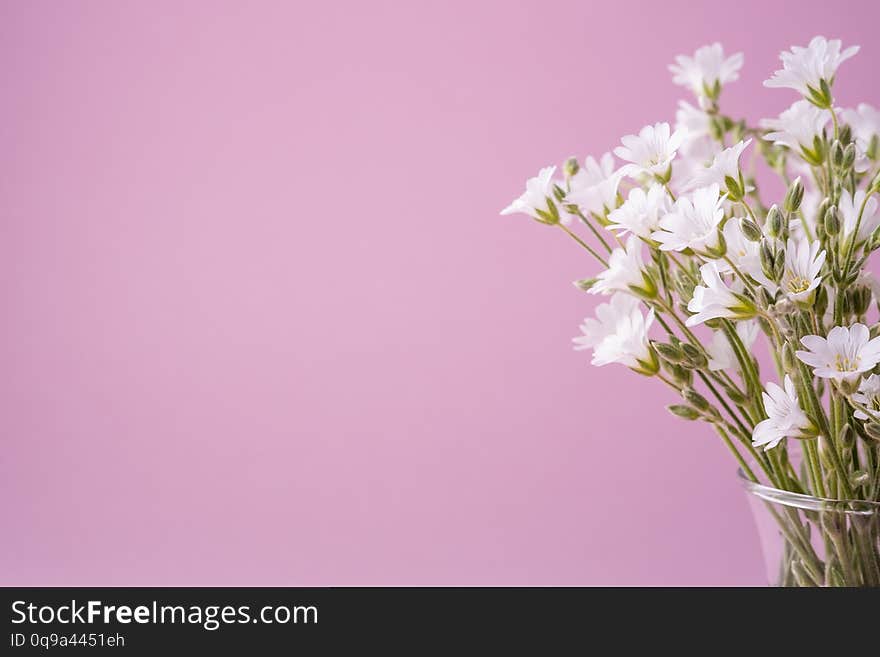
point(697, 264)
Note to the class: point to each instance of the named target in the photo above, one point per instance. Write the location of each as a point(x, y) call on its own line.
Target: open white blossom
point(784, 416)
point(869, 397)
point(640, 213)
point(725, 165)
point(693, 222)
point(626, 271)
point(797, 128)
point(849, 207)
point(745, 254)
point(803, 266)
point(537, 201)
point(845, 354)
point(692, 121)
point(804, 69)
point(721, 354)
point(707, 71)
point(597, 199)
point(651, 151)
point(619, 334)
point(715, 299)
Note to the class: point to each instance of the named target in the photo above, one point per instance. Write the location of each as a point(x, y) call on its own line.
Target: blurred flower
point(625, 272)
point(724, 166)
point(640, 213)
point(849, 207)
point(869, 397)
point(597, 199)
point(784, 415)
point(715, 299)
point(593, 172)
point(707, 71)
point(843, 355)
point(537, 201)
point(865, 124)
point(693, 222)
point(619, 334)
point(651, 151)
point(721, 354)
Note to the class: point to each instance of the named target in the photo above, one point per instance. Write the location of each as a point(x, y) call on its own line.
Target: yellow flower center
point(844, 364)
point(798, 284)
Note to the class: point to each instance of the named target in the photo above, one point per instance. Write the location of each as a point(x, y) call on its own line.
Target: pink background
point(262, 323)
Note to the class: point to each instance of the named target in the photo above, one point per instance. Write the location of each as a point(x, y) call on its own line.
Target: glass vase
point(810, 541)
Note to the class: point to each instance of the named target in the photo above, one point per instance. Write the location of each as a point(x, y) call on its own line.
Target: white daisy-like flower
point(715, 299)
point(537, 201)
point(849, 207)
point(625, 272)
point(707, 71)
point(869, 397)
point(725, 165)
point(844, 355)
point(803, 264)
point(651, 151)
point(693, 222)
point(640, 213)
point(797, 128)
point(619, 334)
point(598, 199)
point(784, 416)
point(721, 354)
point(805, 69)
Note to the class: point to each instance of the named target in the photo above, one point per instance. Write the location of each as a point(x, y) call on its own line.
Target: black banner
point(402, 620)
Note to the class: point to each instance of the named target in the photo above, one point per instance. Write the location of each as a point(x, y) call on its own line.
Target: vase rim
point(809, 502)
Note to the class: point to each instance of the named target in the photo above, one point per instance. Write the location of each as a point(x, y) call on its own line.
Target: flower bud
point(571, 167)
point(734, 394)
point(873, 430)
point(845, 437)
point(695, 399)
point(820, 305)
point(825, 452)
point(778, 265)
point(750, 230)
point(773, 225)
point(837, 153)
point(735, 188)
point(682, 411)
point(767, 260)
point(695, 357)
point(845, 134)
point(585, 283)
point(832, 221)
point(849, 156)
point(794, 196)
point(669, 353)
point(789, 364)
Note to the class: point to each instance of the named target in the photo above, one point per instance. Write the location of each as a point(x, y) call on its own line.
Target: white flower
point(706, 71)
point(804, 69)
point(593, 172)
point(865, 124)
point(715, 299)
point(640, 213)
point(596, 199)
point(619, 334)
point(651, 151)
point(693, 121)
point(721, 354)
point(849, 207)
point(725, 165)
point(797, 128)
point(537, 200)
point(626, 271)
point(843, 355)
point(869, 397)
point(693, 222)
point(803, 264)
point(784, 416)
